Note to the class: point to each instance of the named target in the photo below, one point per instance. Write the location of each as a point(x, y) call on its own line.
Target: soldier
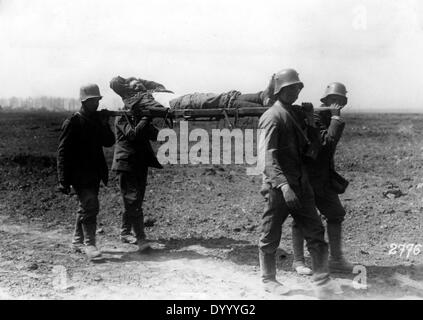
point(81, 164)
point(286, 187)
point(136, 93)
point(326, 183)
point(132, 158)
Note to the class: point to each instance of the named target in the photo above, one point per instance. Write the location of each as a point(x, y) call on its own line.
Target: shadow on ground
point(240, 252)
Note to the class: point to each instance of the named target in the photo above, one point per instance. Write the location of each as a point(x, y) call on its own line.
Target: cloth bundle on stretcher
point(142, 94)
point(228, 100)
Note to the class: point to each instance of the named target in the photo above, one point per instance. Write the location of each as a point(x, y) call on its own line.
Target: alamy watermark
point(60, 279)
point(359, 21)
point(360, 280)
point(223, 146)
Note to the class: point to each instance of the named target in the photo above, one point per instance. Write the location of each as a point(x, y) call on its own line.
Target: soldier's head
point(335, 93)
point(135, 85)
point(289, 94)
point(287, 86)
point(90, 97)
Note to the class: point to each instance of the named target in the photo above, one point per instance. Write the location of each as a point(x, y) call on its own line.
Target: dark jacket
point(330, 133)
point(133, 149)
point(80, 157)
point(283, 145)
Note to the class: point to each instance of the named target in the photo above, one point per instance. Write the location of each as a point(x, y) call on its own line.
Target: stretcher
point(192, 114)
point(169, 115)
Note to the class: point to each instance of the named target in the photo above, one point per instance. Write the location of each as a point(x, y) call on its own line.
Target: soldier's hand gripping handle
point(335, 109)
point(290, 197)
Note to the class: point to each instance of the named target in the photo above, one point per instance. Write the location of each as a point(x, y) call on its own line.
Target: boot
point(320, 264)
point(324, 286)
point(328, 290)
point(138, 226)
point(301, 269)
point(337, 262)
point(92, 252)
point(298, 249)
point(268, 274)
point(143, 245)
point(125, 232)
point(129, 238)
point(90, 242)
point(78, 236)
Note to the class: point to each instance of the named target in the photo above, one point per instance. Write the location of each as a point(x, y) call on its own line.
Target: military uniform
point(81, 163)
point(283, 147)
point(327, 200)
point(321, 172)
point(132, 158)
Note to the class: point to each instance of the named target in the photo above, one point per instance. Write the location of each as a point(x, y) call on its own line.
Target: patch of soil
point(206, 221)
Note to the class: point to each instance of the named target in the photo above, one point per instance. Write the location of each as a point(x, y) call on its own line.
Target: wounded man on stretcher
point(144, 94)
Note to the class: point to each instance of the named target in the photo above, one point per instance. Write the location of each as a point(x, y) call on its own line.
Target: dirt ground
point(206, 222)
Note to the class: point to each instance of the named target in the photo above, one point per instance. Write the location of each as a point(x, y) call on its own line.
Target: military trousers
point(307, 219)
point(89, 206)
point(132, 187)
point(329, 205)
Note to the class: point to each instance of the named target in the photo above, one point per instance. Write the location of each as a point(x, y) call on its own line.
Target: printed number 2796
point(401, 248)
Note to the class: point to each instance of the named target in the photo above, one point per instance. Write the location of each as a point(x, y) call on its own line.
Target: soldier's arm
point(270, 146)
point(64, 153)
point(107, 135)
point(331, 135)
point(130, 132)
point(151, 85)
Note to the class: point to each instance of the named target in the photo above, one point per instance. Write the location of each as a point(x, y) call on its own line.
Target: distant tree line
point(39, 103)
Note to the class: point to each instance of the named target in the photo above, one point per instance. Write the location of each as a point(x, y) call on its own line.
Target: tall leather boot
point(324, 286)
point(90, 241)
point(138, 226)
point(125, 231)
point(268, 274)
point(337, 262)
point(78, 235)
point(298, 249)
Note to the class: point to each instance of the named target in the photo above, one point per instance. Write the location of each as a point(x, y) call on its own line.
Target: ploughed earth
point(205, 222)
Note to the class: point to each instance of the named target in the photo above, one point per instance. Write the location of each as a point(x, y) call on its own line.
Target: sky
point(375, 47)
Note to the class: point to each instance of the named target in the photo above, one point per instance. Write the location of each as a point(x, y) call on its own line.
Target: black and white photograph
point(211, 150)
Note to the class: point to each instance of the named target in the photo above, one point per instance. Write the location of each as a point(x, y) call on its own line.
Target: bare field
point(206, 220)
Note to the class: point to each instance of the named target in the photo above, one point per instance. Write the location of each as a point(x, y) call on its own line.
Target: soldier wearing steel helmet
point(133, 156)
point(326, 183)
point(82, 165)
point(286, 185)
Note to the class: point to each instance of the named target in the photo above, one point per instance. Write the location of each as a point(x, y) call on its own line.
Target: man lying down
point(141, 93)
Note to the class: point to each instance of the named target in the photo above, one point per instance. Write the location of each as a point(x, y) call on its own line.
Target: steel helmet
point(284, 78)
point(89, 91)
point(335, 88)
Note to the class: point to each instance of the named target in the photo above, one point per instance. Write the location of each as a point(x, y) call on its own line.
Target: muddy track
point(44, 267)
